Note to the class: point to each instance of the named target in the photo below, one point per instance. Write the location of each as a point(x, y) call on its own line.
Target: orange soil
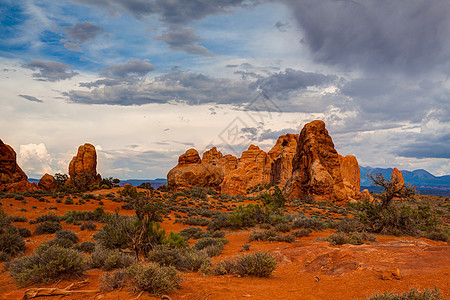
point(306, 269)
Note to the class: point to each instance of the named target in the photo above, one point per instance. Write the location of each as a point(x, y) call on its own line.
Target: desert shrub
point(196, 221)
point(205, 242)
point(198, 193)
point(193, 260)
point(24, 232)
point(412, 294)
point(350, 225)
point(11, 242)
point(218, 222)
point(47, 227)
point(113, 235)
point(87, 247)
point(19, 197)
point(301, 221)
point(175, 240)
point(154, 278)
point(438, 234)
point(165, 255)
point(4, 256)
point(109, 259)
point(271, 236)
point(18, 219)
point(224, 267)
point(68, 201)
point(259, 264)
point(51, 217)
point(355, 238)
point(283, 227)
point(302, 232)
point(247, 216)
point(46, 264)
point(89, 225)
point(398, 220)
point(114, 280)
point(97, 215)
point(68, 235)
point(273, 201)
point(129, 191)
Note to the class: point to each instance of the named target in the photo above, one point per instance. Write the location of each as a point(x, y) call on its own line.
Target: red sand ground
point(306, 269)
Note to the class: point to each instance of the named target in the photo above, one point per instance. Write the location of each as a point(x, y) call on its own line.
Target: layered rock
point(316, 167)
point(12, 178)
point(191, 172)
point(282, 155)
point(85, 164)
point(305, 164)
point(253, 168)
point(47, 182)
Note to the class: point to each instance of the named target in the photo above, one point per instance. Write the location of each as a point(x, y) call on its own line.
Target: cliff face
point(305, 164)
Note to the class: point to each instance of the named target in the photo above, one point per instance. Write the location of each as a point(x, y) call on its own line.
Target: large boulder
point(12, 178)
point(397, 178)
point(84, 164)
point(191, 172)
point(47, 182)
point(316, 167)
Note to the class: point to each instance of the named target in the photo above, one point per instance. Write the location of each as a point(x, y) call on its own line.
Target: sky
point(145, 80)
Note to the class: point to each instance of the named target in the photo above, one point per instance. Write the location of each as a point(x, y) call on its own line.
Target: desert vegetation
point(127, 241)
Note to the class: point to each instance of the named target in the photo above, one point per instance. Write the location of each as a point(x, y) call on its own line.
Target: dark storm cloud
point(426, 146)
point(31, 98)
point(410, 36)
point(133, 67)
point(81, 32)
point(292, 80)
point(191, 88)
point(171, 12)
point(184, 39)
point(50, 70)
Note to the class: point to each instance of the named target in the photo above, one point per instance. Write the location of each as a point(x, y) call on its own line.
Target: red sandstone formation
point(47, 182)
point(316, 167)
point(252, 168)
point(191, 172)
point(85, 162)
point(306, 165)
point(12, 178)
point(351, 175)
point(397, 178)
point(282, 155)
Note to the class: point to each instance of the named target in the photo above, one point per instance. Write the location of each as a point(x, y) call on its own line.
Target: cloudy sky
point(144, 80)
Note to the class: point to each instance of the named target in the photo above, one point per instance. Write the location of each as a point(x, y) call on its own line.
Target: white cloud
point(34, 159)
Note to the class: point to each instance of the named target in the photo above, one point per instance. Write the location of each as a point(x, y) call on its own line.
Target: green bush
point(271, 236)
point(51, 217)
point(301, 221)
point(114, 234)
point(412, 294)
point(154, 278)
point(302, 232)
point(87, 247)
point(205, 242)
point(196, 221)
point(18, 219)
point(192, 260)
point(46, 264)
point(47, 227)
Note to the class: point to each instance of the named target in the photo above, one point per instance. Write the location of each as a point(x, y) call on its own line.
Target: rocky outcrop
point(252, 168)
point(85, 164)
point(316, 167)
point(397, 178)
point(47, 182)
point(282, 155)
point(12, 178)
point(351, 175)
point(191, 172)
point(305, 164)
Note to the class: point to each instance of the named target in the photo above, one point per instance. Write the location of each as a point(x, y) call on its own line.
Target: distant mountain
point(134, 182)
point(418, 178)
